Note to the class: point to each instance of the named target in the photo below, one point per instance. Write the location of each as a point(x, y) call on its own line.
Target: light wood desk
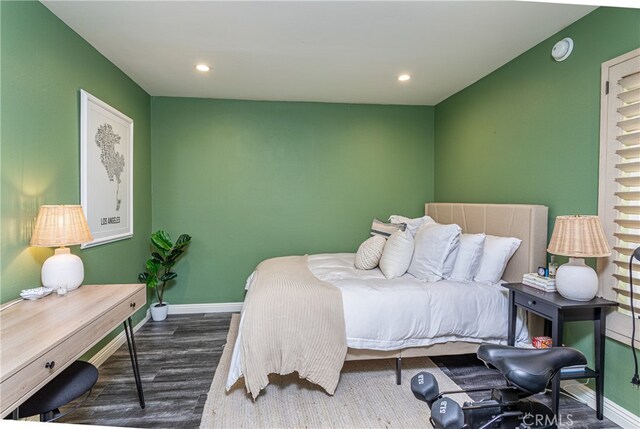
point(38, 339)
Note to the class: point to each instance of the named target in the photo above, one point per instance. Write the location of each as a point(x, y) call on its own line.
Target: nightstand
point(556, 310)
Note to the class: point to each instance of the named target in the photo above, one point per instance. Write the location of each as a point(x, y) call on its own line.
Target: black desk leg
point(599, 330)
point(513, 312)
point(133, 353)
point(556, 336)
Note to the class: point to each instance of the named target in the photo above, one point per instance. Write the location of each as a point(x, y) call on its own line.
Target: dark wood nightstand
point(556, 310)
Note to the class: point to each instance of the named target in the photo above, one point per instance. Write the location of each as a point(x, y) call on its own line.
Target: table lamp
point(62, 226)
point(578, 237)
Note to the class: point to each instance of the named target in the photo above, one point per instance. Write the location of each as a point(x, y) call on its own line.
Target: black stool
point(76, 379)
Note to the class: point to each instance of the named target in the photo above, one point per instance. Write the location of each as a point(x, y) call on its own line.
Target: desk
point(38, 339)
point(556, 310)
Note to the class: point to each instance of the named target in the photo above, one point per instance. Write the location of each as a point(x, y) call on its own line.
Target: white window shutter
point(619, 194)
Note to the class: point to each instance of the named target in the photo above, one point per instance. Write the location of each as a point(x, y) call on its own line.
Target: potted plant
point(158, 268)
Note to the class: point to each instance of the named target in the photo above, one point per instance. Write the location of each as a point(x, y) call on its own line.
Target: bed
point(401, 317)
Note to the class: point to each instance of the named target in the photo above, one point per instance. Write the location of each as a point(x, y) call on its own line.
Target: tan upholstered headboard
point(526, 222)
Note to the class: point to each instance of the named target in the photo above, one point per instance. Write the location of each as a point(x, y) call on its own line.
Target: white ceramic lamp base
point(576, 280)
point(63, 268)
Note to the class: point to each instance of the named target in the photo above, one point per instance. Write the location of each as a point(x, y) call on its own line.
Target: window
point(619, 193)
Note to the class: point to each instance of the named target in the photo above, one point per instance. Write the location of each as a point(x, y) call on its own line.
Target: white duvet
point(383, 314)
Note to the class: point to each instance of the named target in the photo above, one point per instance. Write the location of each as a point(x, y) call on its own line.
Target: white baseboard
point(612, 411)
point(113, 345)
point(223, 307)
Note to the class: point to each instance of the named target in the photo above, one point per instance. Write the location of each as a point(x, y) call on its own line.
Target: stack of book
point(537, 281)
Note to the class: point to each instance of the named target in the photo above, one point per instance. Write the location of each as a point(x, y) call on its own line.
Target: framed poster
point(106, 169)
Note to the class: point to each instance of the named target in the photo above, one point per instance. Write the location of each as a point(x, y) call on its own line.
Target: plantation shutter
point(619, 205)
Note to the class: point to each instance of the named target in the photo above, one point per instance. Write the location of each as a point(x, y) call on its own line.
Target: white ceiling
point(340, 51)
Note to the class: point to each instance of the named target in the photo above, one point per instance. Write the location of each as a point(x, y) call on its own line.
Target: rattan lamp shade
point(60, 226)
point(578, 237)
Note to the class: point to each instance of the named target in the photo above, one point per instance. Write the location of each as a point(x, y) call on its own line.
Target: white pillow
point(369, 253)
point(496, 255)
point(412, 224)
point(468, 258)
point(397, 254)
point(435, 251)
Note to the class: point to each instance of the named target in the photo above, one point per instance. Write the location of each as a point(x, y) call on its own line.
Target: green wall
point(529, 133)
point(252, 180)
point(44, 66)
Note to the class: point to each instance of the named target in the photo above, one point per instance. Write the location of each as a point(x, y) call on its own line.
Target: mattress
point(392, 314)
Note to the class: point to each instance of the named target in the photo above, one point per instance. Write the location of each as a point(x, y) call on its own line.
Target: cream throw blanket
point(292, 321)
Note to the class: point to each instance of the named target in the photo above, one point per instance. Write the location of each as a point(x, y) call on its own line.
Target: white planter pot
point(159, 313)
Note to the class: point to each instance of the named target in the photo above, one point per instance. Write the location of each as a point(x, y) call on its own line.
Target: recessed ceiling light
point(203, 67)
point(404, 77)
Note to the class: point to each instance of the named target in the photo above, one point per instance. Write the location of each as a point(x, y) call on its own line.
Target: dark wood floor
point(178, 358)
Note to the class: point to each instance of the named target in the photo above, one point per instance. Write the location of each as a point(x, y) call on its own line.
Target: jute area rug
point(367, 397)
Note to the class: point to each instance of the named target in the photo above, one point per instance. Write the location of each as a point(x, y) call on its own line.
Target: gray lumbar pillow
point(369, 253)
point(384, 229)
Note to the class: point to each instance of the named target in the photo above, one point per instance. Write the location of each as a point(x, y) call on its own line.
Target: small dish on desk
point(35, 293)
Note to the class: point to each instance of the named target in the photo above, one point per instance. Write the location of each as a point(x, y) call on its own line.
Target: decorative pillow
point(369, 253)
point(435, 251)
point(385, 230)
point(468, 258)
point(397, 254)
point(497, 252)
point(412, 224)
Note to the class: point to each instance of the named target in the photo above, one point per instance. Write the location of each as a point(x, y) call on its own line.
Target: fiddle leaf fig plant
point(158, 268)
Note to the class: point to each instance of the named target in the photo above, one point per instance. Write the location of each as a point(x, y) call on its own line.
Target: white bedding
point(391, 314)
